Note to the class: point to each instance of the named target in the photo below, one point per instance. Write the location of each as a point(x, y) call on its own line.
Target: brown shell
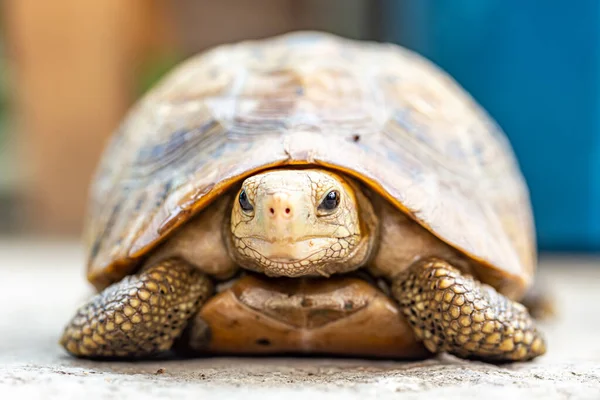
point(378, 112)
point(334, 316)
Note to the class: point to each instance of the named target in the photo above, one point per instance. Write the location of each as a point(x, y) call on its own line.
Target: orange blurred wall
point(74, 68)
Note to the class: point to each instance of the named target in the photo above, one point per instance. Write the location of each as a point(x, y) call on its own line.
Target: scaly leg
point(454, 313)
point(140, 315)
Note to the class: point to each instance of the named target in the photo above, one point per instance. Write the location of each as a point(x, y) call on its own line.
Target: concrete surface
point(42, 283)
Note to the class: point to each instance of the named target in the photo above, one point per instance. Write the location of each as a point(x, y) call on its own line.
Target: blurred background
point(70, 69)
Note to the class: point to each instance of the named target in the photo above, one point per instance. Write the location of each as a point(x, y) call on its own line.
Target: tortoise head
point(301, 222)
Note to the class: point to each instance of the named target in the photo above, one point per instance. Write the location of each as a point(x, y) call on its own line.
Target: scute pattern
point(452, 312)
point(375, 111)
point(139, 315)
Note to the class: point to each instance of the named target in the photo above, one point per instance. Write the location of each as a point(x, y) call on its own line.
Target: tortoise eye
point(331, 201)
point(244, 202)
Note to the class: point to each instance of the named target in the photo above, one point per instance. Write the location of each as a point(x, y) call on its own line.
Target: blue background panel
point(534, 67)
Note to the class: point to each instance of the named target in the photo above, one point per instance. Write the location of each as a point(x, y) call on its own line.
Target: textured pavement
point(41, 284)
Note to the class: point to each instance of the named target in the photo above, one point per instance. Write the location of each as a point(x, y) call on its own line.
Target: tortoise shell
point(377, 112)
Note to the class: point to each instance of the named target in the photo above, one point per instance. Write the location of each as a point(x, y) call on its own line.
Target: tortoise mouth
point(290, 250)
point(306, 256)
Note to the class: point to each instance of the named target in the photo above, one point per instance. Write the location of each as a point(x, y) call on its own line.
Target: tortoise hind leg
point(140, 315)
point(454, 313)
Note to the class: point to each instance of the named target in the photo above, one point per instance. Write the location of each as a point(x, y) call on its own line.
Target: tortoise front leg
point(454, 313)
point(140, 315)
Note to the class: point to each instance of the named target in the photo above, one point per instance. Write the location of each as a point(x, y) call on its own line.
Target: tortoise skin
point(377, 112)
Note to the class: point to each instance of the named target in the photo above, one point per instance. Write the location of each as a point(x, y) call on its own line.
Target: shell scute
point(375, 111)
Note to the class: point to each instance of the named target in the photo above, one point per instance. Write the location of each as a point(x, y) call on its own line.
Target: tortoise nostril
point(279, 205)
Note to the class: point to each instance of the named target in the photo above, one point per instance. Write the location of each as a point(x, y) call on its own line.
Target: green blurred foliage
point(153, 70)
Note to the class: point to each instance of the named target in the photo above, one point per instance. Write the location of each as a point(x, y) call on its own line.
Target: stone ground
point(41, 284)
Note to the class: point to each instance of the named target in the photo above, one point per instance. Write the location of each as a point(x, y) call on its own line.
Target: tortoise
point(308, 193)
